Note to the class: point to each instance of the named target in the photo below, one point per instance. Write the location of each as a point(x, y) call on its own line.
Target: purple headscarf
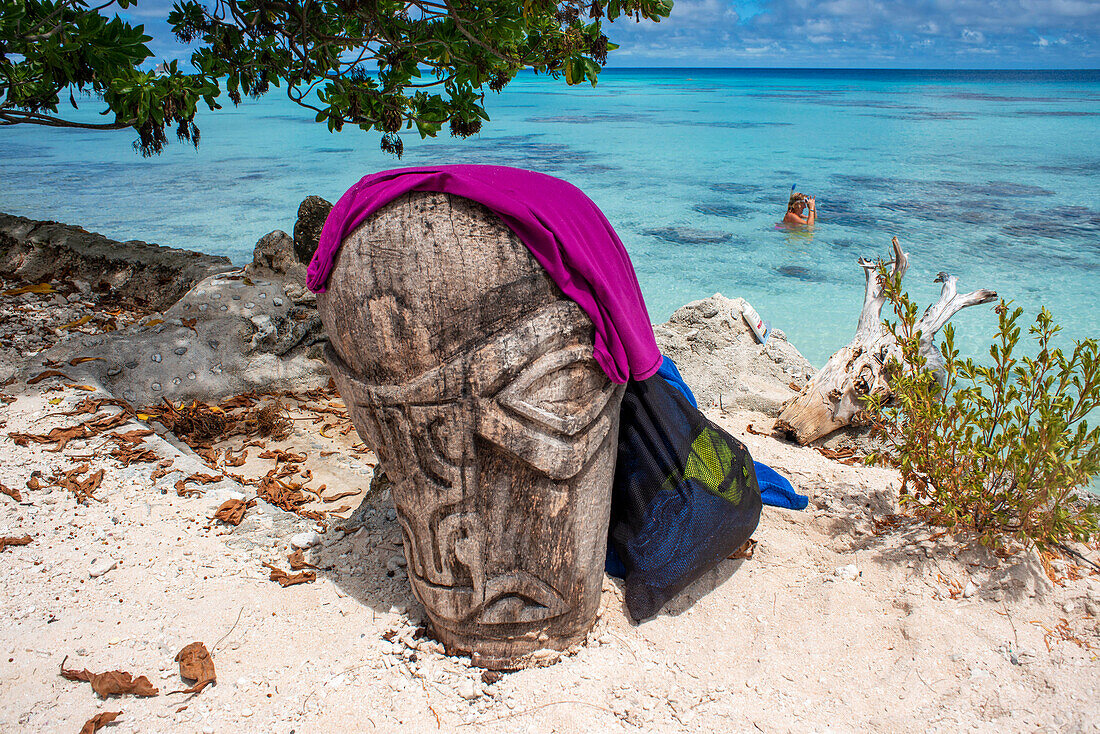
point(565, 232)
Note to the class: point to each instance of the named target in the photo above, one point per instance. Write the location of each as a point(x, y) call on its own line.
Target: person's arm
point(811, 215)
point(792, 218)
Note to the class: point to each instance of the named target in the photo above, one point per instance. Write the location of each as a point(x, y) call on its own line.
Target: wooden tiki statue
point(472, 377)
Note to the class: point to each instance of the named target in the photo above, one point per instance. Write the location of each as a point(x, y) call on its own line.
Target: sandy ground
point(848, 618)
point(924, 632)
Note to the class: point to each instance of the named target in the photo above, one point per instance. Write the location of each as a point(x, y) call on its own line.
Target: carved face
point(501, 445)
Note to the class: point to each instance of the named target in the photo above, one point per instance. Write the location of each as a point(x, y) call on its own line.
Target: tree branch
point(15, 117)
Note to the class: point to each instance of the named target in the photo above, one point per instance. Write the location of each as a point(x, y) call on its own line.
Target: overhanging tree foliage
point(384, 65)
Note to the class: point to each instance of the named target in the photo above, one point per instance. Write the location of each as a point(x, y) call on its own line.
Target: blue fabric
point(672, 376)
point(775, 489)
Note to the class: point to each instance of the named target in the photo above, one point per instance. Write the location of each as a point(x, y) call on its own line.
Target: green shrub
point(997, 449)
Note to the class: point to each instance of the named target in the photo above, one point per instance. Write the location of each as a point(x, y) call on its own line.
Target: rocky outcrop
point(233, 331)
point(722, 361)
point(227, 335)
point(145, 274)
point(312, 213)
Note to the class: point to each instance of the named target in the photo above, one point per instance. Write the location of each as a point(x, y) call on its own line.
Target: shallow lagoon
point(992, 176)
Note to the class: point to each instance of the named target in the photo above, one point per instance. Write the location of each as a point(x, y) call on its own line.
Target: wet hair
point(796, 202)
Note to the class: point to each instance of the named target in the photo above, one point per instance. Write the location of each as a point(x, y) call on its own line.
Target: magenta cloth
point(565, 232)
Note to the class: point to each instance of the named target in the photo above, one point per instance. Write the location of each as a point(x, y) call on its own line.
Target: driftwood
point(472, 377)
point(831, 399)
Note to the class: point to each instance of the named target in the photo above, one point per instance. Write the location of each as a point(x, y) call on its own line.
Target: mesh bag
point(685, 495)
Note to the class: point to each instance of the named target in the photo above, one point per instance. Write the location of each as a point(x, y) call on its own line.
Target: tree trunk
point(831, 399)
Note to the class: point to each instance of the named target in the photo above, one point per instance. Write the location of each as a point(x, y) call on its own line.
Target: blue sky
point(983, 34)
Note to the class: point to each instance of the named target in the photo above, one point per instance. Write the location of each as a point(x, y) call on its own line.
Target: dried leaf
point(286, 579)
point(128, 454)
point(79, 322)
point(342, 495)
point(47, 374)
point(111, 683)
point(746, 551)
point(33, 483)
point(7, 540)
point(189, 323)
point(283, 456)
point(11, 492)
point(298, 560)
point(135, 436)
point(197, 665)
point(81, 360)
point(232, 511)
point(154, 322)
point(82, 489)
point(238, 460)
point(86, 388)
point(162, 470)
point(39, 288)
point(100, 720)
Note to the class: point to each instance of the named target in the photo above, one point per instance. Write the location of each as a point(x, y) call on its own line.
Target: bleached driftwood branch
point(831, 399)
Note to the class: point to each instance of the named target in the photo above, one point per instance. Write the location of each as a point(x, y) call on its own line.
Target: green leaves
point(66, 47)
point(1001, 450)
point(380, 65)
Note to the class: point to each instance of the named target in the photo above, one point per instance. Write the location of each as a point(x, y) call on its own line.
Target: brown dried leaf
point(238, 401)
point(111, 683)
point(33, 483)
point(79, 322)
point(81, 360)
point(342, 495)
point(197, 665)
point(238, 460)
point(11, 492)
point(232, 511)
point(161, 471)
point(204, 478)
point(135, 436)
point(45, 374)
point(283, 456)
point(127, 455)
point(286, 579)
point(746, 551)
point(100, 720)
point(7, 540)
point(298, 560)
point(39, 288)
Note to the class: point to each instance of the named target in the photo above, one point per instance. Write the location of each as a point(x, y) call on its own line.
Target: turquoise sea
point(993, 176)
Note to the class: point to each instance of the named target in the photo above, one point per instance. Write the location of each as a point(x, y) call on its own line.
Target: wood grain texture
point(472, 377)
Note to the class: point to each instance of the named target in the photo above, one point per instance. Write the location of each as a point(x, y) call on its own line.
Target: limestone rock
point(274, 258)
point(312, 213)
point(227, 335)
point(151, 275)
point(719, 356)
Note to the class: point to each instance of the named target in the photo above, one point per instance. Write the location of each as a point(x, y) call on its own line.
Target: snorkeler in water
point(796, 210)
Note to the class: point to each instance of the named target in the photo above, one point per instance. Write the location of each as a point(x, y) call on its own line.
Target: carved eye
point(564, 391)
point(554, 413)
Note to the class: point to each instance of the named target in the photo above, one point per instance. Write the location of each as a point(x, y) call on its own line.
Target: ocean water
point(991, 176)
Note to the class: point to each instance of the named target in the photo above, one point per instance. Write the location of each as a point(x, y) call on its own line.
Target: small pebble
point(468, 689)
point(101, 566)
point(850, 572)
point(307, 539)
